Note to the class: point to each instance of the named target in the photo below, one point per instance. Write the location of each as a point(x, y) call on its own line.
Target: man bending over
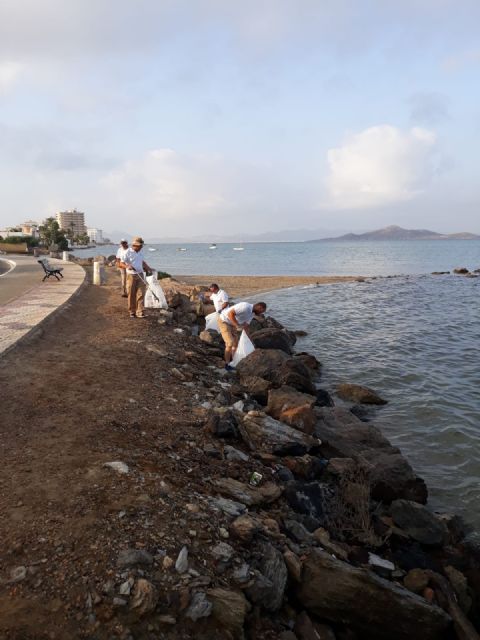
point(231, 320)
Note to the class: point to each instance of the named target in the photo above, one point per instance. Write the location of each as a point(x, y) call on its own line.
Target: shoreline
point(143, 499)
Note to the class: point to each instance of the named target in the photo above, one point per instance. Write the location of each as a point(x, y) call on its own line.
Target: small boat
point(181, 249)
point(212, 246)
point(151, 249)
point(239, 248)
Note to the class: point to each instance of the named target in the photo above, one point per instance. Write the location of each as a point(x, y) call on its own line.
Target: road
point(25, 276)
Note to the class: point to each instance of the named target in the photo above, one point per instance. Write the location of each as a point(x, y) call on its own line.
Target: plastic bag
point(158, 300)
point(245, 347)
point(211, 321)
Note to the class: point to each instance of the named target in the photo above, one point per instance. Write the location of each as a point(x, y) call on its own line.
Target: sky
point(189, 117)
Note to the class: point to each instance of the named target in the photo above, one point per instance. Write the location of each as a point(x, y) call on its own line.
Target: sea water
point(414, 338)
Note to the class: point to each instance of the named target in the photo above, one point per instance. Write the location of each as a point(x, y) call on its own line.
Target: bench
point(49, 270)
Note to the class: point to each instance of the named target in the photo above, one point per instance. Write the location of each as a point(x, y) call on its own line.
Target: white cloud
point(380, 165)
point(9, 72)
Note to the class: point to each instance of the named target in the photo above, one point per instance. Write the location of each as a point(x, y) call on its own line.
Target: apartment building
point(72, 221)
point(95, 235)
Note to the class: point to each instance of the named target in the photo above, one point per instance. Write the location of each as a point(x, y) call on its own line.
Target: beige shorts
point(228, 333)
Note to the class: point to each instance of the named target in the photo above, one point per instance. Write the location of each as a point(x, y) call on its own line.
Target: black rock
point(324, 399)
point(223, 426)
point(419, 522)
point(361, 412)
point(270, 579)
point(285, 475)
point(290, 449)
point(309, 498)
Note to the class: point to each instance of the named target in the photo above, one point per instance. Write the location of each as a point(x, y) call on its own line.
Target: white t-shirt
point(243, 313)
point(121, 253)
point(135, 259)
point(219, 299)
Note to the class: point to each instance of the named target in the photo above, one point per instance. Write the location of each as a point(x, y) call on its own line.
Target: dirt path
point(96, 387)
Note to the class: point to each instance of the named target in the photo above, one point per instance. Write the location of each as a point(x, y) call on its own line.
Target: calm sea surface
point(413, 338)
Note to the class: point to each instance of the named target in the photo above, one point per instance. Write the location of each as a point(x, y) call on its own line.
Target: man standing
point(218, 296)
point(234, 318)
point(120, 258)
point(135, 266)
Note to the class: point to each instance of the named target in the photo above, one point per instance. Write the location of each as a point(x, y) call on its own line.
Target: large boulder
point(272, 436)
point(270, 579)
point(246, 494)
point(277, 368)
point(359, 394)
point(292, 407)
point(373, 607)
point(343, 435)
point(273, 339)
point(421, 524)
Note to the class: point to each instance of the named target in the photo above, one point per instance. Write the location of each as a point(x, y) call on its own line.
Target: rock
point(257, 388)
point(358, 394)
point(242, 575)
point(211, 337)
point(324, 399)
point(310, 498)
point(297, 532)
point(305, 629)
point(244, 528)
point(223, 552)
point(167, 563)
point(144, 597)
point(118, 466)
point(292, 407)
point(341, 466)
point(272, 436)
point(130, 557)
point(212, 452)
point(199, 607)
point(381, 566)
point(18, 574)
point(229, 507)
point(294, 565)
point(307, 467)
point(416, 580)
point(361, 411)
point(284, 474)
point(277, 368)
point(418, 522)
point(287, 635)
point(270, 579)
point(345, 436)
point(461, 271)
point(266, 493)
point(224, 425)
point(126, 587)
point(181, 564)
point(119, 602)
point(229, 609)
point(460, 586)
point(273, 339)
point(371, 606)
point(235, 455)
point(309, 360)
point(323, 538)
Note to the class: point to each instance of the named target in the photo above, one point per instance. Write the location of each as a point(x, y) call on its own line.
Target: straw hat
point(137, 242)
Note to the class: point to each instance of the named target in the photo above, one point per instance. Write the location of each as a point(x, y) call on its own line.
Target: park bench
point(49, 270)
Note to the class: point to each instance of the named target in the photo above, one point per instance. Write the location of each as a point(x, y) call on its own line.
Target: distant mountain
point(287, 235)
point(394, 232)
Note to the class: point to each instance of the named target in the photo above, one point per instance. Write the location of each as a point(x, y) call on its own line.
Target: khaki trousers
point(123, 279)
point(136, 294)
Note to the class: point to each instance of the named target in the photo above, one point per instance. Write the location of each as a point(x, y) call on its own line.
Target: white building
point(72, 220)
point(95, 235)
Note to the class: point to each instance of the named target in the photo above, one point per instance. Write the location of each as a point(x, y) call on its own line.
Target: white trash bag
point(245, 347)
point(158, 300)
point(211, 322)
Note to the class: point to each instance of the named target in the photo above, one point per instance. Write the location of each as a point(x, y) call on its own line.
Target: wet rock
point(309, 360)
point(235, 455)
point(244, 528)
point(461, 271)
point(391, 476)
point(292, 407)
point(223, 425)
point(310, 498)
point(358, 394)
point(144, 597)
point(324, 399)
point(271, 436)
point(199, 607)
point(297, 532)
point(264, 322)
point(130, 557)
point(418, 522)
point(273, 339)
point(266, 493)
point(416, 580)
point(361, 411)
point(270, 579)
point(181, 564)
point(229, 609)
point(223, 552)
point(371, 606)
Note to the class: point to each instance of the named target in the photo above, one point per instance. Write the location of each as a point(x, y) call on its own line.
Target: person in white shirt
point(218, 296)
point(122, 250)
point(234, 318)
point(134, 264)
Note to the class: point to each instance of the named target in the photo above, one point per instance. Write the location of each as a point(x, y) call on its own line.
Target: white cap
point(123, 240)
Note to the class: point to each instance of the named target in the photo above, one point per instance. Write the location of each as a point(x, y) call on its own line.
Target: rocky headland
point(196, 503)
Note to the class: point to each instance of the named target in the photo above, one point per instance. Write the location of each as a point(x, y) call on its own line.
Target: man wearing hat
point(120, 258)
point(135, 266)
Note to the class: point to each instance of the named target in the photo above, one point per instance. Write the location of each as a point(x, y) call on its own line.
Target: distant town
point(66, 229)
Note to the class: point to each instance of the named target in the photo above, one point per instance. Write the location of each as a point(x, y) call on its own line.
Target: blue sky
point(181, 118)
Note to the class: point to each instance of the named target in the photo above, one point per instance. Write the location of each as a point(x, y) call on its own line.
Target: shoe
point(141, 315)
point(132, 315)
point(124, 295)
point(228, 367)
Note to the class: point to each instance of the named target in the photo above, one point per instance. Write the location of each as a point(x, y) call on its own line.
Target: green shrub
point(163, 274)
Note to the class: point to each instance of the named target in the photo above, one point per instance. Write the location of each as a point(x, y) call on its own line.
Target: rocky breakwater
point(336, 539)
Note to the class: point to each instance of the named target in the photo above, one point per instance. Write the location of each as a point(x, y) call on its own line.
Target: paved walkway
point(35, 300)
